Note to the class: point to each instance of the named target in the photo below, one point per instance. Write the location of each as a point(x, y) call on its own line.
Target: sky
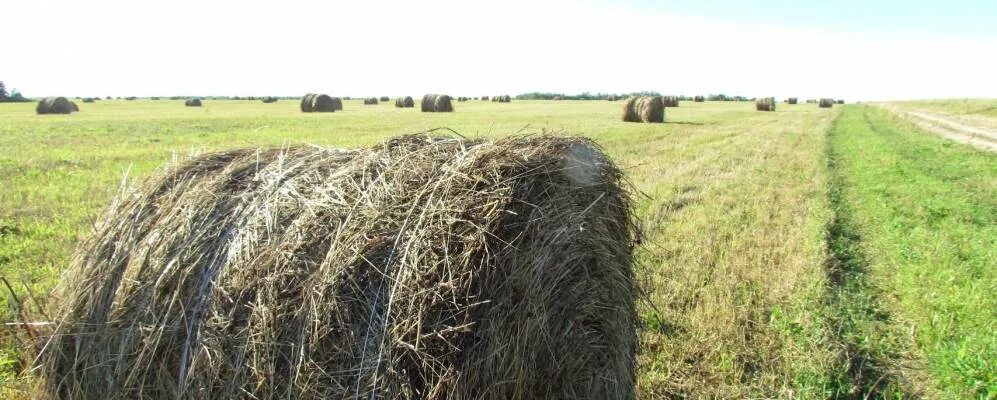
point(856, 50)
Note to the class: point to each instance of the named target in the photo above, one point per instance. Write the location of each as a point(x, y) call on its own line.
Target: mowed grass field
point(803, 253)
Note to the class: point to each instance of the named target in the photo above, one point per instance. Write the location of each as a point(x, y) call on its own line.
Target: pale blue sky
point(857, 50)
point(950, 18)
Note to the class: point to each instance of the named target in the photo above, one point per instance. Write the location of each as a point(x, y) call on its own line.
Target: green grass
point(917, 235)
point(737, 210)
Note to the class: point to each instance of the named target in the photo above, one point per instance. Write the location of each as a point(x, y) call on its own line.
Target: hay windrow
point(431, 268)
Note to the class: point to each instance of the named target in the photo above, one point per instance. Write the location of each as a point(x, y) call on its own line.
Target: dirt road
point(981, 138)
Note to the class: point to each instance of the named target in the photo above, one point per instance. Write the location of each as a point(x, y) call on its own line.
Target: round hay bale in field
point(699, 99)
point(765, 104)
point(88, 99)
point(385, 98)
point(611, 98)
point(649, 109)
point(269, 99)
point(326, 103)
point(74, 107)
point(826, 103)
point(670, 101)
point(306, 102)
point(792, 100)
point(370, 101)
point(841, 102)
point(54, 105)
point(437, 103)
point(404, 102)
point(484, 98)
point(194, 102)
point(421, 268)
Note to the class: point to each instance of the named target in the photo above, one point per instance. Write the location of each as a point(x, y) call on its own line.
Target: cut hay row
point(404, 102)
point(194, 102)
point(765, 104)
point(320, 103)
point(422, 268)
point(670, 101)
point(826, 103)
point(437, 103)
point(55, 105)
point(370, 101)
point(649, 109)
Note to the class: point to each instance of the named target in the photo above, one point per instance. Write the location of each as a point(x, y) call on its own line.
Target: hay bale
point(417, 269)
point(841, 102)
point(370, 101)
point(765, 104)
point(74, 107)
point(404, 102)
point(88, 99)
point(826, 103)
point(611, 98)
point(792, 100)
point(484, 98)
point(306, 102)
point(670, 101)
point(326, 103)
point(437, 103)
point(385, 98)
point(699, 99)
point(269, 99)
point(54, 105)
point(649, 109)
point(194, 102)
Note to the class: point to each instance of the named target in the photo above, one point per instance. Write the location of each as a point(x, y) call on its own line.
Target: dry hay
point(422, 268)
point(650, 109)
point(370, 101)
point(384, 99)
point(765, 104)
point(792, 100)
point(699, 99)
point(195, 102)
point(437, 103)
point(670, 101)
point(404, 102)
point(306, 102)
point(325, 103)
point(826, 103)
point(54, 105)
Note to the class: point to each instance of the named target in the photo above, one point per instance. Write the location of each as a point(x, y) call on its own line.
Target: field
point(803, 253)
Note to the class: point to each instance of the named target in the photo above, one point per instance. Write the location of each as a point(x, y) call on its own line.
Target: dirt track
point(945, 126)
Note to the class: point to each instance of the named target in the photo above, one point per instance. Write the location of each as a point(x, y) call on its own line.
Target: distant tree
point(3, 92)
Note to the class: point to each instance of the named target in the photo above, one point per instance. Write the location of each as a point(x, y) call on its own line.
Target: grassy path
point(912, 246)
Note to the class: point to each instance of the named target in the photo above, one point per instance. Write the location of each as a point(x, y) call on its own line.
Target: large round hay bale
point(765, 104)
point(670, 101)
point(385, 98)
point(194, 102)
point(792, 100)
point(370, 101)
point(404, 102)
point(54, 105)
point(826, 103)
point(437, 103)
point(326, 103)
point(421, 268)
point(306, 102)
point(649, 109)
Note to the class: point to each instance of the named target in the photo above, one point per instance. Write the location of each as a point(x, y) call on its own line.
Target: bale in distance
point(699, 99)
point(792, 100)
point(841, 102)
point(611, 98)
point(484, 98)
point(269, 99)
point(385, 99)
point(648, 109)
point(370, 101)
point(826, 103)
point(74, 107)
point(194, 102)
point(437, 103)
point(765, 104)
point(421, 268)
point(502, 98)
point(88, 99)
point(54, 105)
point(670, 101)
point(404, 102)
